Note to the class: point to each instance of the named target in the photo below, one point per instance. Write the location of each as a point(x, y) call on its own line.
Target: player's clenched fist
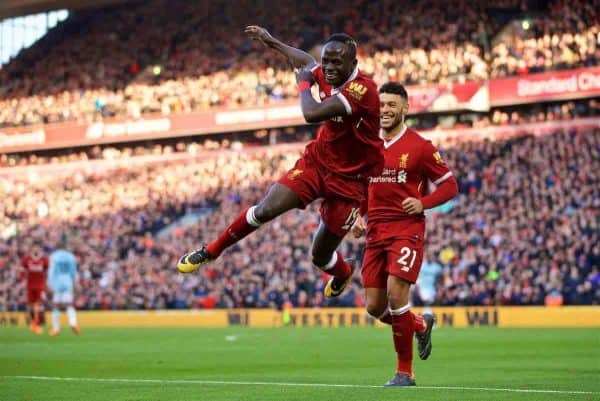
point(359, 227)
point(412, 205)
point(258, 33)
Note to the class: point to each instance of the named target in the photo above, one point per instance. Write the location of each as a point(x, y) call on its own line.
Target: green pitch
point(295, 364)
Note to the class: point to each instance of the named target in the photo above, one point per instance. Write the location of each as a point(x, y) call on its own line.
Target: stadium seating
point(151, 60)
point(524, 227)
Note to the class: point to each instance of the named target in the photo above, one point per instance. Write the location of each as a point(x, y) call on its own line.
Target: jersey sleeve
point(359, 97)
point(435, 168)
point(318, 75)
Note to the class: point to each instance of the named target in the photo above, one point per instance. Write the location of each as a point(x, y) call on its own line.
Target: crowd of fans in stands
point(150, 60)
point(500, 116)
point(524, 230)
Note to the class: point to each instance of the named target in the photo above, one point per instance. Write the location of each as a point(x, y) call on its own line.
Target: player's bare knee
point(262, 212)
point(266, 211)
point(398, 294)
point(376, 309)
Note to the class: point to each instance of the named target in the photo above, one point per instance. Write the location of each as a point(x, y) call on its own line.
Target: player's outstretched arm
point(298, 58)
point(312, 110)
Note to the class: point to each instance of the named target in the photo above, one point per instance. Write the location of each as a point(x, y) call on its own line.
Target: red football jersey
point(411, 161)
point(350, 144)
point(35, 271)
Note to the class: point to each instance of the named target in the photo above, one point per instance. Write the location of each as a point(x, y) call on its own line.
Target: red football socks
point(420, 325)
point(340, 267)
point(387, 319)
point(403, 329)
point(236, 231)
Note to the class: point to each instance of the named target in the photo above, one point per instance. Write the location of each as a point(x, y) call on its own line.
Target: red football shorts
point(34, 295)
point(399, 257)
point(341, 196)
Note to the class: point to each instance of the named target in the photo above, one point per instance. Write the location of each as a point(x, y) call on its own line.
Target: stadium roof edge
point(17, 8)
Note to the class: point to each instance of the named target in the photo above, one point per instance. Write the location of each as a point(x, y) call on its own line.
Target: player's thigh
point(339, 214)
point(62, 298)
point(297, 188)
point(398, 290)
point(34, 296)
point(404, 259)
point(374, 279)
point(427, 295)
point(376, 301)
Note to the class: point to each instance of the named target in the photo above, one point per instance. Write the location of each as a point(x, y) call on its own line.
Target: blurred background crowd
point(150, 60)
point(524, 230)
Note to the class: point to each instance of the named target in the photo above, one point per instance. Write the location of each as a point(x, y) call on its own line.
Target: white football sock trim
point(331, 263)
point(251, 218)
point(400, 311)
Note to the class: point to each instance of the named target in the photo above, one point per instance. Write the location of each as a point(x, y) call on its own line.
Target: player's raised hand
point(359, 227)
point(412, 206)
point(259, 33)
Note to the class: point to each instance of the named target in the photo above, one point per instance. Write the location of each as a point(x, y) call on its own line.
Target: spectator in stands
point(524, 229)
point(153, 61)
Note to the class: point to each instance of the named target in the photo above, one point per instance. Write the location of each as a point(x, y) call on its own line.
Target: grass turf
point(482, 358)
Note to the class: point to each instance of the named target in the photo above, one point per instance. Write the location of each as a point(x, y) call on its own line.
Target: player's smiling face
point(392, 110)
point(337, 64)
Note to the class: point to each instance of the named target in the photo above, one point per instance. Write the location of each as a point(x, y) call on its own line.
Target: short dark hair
point(395, 88)
point(345, 39)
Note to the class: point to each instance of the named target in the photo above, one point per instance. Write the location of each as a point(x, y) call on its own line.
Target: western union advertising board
point(576, 316)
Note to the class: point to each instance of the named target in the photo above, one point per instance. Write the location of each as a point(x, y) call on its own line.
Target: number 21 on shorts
point(407, 258)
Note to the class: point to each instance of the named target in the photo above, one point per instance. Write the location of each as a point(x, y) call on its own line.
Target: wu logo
point(357, 89)
point(438, 158)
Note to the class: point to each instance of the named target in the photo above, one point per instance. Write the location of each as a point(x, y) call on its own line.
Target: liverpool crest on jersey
point(294, 173)
point(403, 161)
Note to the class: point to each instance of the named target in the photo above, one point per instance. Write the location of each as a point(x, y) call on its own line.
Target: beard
point(397, 121)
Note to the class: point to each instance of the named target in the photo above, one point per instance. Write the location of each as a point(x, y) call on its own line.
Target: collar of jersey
point(351, 78)
point(387, 144)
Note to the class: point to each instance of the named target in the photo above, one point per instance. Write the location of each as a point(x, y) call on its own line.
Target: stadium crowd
point(523, 231)
point(150, 60)
point(538, 112)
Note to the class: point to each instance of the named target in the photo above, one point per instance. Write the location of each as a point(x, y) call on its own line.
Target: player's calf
point(342, 276)
point(244, 224)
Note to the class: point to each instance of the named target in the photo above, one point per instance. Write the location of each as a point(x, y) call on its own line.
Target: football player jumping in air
point(335, 166)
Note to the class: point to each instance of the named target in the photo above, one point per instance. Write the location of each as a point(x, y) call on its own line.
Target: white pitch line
point(249, 383)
